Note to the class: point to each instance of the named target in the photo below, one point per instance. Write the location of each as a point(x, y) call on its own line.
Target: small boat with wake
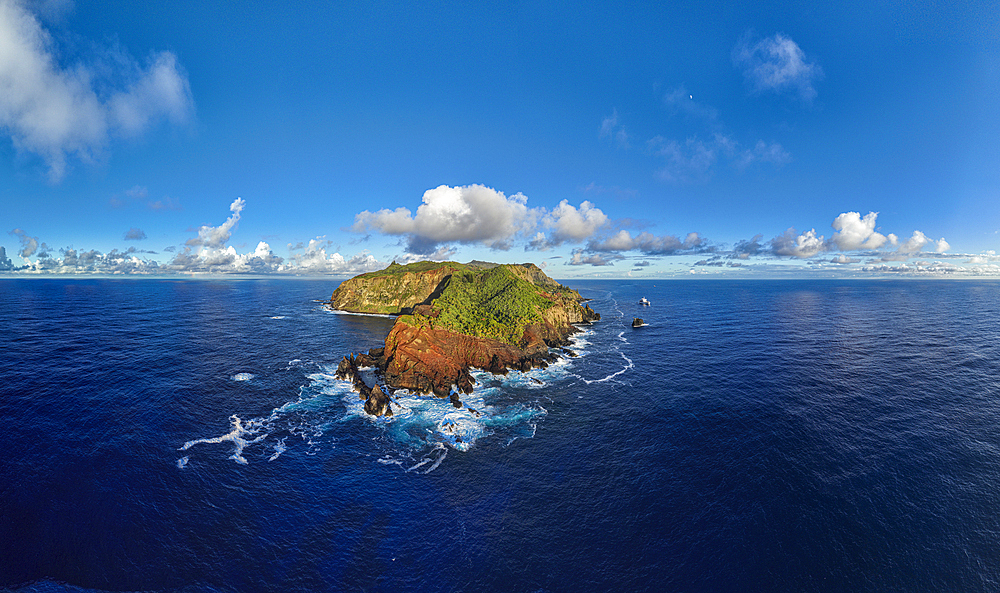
point(637, 322)
point(644, 302)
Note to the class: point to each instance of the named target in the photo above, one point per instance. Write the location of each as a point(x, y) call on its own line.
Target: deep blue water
point(755, 436)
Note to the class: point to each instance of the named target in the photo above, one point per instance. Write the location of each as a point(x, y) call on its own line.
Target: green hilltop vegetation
point(477, 299)
point(395, 269)
point(492, 303)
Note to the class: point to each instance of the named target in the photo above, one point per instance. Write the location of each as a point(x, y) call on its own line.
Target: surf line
point(628, 361)
point(627, 367)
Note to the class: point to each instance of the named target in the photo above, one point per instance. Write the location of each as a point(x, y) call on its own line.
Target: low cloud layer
point(208, 253)
point(55, 111)
point(857, 244)
point(481, 216)
point(855, 233)
point(648, 243)
point(5, 263)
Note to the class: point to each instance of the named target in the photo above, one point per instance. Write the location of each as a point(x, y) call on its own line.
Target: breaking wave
point(423, 428)
point(419, 434)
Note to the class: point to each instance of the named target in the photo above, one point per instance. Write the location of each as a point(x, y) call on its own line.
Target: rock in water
point(378, 403)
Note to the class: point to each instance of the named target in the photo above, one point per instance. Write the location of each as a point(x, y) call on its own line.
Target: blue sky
point(652, 140)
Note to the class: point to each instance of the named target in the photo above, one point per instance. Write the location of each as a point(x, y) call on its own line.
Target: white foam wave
point(236, 436)
point(441, 451)
point(277, 317)
point(330, 309)
point(422, 428)
point(279, 448)
point(182, 462)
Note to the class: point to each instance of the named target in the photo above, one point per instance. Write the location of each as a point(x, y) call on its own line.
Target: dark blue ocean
point(188, 435)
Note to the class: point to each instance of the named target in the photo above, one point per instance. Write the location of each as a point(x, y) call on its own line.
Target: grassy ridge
point(395, 269)
point(492, 303)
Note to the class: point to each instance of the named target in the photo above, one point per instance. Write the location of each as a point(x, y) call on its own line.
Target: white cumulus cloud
point(29, 244)
point(855, 232)
point(471, 214)
point(915, 243)
point(215, 237)
point(574, 224)
point(480, 215)
point(54, 111)
point(208, 252)
point(314, 259)
point(596, 259)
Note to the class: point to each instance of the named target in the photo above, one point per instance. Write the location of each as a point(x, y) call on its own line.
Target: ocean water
point(189, 435)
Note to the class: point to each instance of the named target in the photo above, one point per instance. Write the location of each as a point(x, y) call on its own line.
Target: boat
point(637, 322)
point(644, 302)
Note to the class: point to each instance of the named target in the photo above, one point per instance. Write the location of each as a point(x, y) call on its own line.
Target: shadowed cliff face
point(460, 317)
point(392, 291)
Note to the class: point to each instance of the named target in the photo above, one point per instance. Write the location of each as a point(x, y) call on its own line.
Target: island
point(454, 317)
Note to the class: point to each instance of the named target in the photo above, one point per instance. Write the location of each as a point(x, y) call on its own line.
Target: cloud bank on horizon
point(479, 216)
point(207, 253)
point(482, 216)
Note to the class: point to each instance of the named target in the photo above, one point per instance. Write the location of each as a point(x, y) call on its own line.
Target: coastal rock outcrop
point(455, 317)
point(376, 401)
